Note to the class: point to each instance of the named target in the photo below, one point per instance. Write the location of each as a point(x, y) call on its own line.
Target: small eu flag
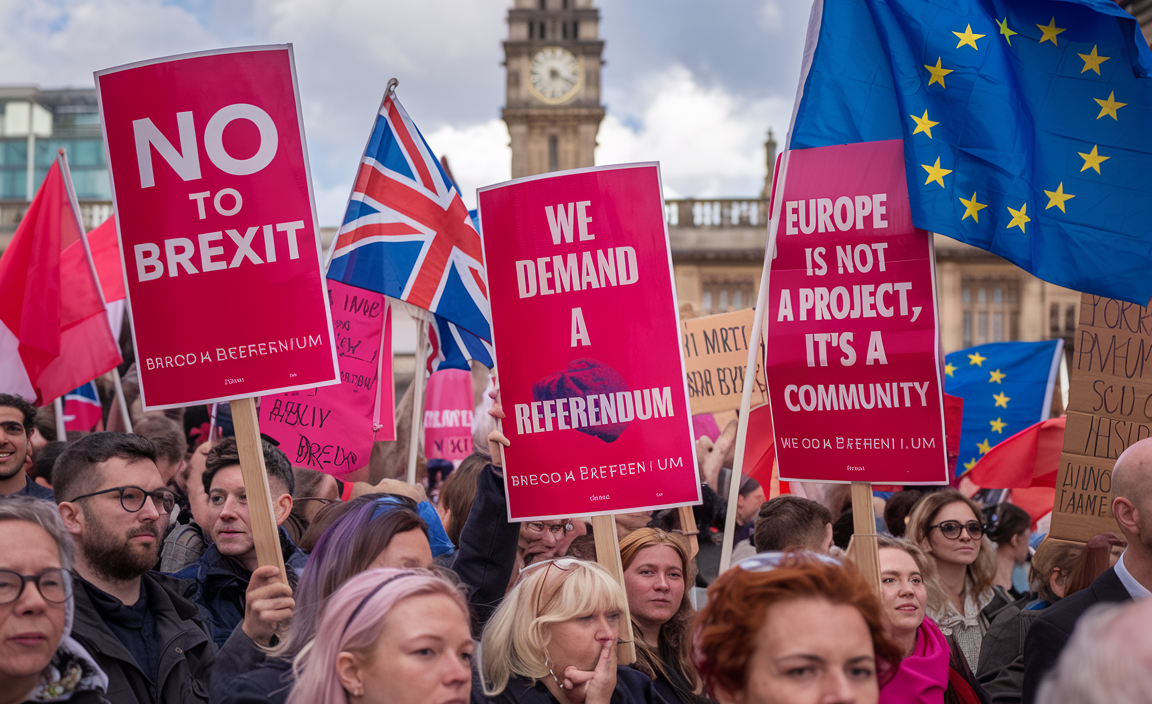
point(1025, 125)
point(1006, 387)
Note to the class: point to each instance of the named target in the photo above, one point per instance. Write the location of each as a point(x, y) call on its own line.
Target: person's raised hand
point(268, 603)
point(497, 441)
point(593, 687)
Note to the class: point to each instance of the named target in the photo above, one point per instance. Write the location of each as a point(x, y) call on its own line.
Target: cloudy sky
point(693, 85)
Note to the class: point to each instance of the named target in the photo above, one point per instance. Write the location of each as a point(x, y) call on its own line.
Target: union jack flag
point(452, 347)
point(406, 233)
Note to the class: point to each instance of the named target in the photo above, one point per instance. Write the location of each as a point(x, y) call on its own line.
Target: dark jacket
point(1052, 629)
point(632, 687)
point(1001, 668)
point(487, 551)
point(246, 676)
point(186, 650)
point(219, 584)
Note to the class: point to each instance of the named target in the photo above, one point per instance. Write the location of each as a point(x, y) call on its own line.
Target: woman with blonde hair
point(554, 638)
point(946, 524)
point(658, 570)
point(388, 636)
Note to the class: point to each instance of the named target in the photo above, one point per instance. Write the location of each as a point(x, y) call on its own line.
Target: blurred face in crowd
point(231, 527)
point(963, 548)
point(407, 550)
point(655, 584)
point(31, 626)
point(542, 540)
point(902, 592)
point(810, 651)
point(748, 506)
point(423, 655)
point(118, 544)
point(14, 443)
point(1019, 546)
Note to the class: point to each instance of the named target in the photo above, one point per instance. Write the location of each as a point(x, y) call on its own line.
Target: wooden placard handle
point(864, 549)
point(608, 555)
point(260, 512)
point(689, 529)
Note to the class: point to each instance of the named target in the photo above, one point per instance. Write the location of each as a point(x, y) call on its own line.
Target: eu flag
point(1006, 387)
point(1025, 124)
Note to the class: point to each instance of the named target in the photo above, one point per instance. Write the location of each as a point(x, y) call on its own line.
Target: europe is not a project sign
point(853, 359)
point(587, 339)
point(217, 226)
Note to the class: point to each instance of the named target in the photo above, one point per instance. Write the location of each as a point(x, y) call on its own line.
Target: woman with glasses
point(658, 569)
point(798, 630)
point(946, 525)
point(553, 639)
point(389, 637)
point(39, 661)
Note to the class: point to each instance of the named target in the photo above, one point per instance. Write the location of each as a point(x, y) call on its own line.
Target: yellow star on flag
point(1092, 61)
point(998, 425)
point(976, 359)
point(938, 73)
point(1058, 197)
point(1050, 32)
point(1005, 32)
point(1092, 160)
point(1001, 400)
point(984, 447)
point(967, 37)
point(972, 207)
point(935, 173)
point(923, 124)
point(970, 464)
point(1019, 217)
point(1109, 106)
point(997, 376)
point(949, 369)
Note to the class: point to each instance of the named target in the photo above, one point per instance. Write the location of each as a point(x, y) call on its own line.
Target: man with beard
point(17, 421)
point(154, 645)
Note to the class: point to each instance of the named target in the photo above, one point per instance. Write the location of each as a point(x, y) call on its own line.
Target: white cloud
point(478, 155)
point(771, 18)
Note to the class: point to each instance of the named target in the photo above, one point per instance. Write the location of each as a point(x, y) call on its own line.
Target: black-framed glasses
point(132, 498)
point(951, 529)
point(54, 585)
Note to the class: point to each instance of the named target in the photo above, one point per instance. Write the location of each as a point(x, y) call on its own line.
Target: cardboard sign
point(588, 347)
point(853, 363)
point(217, 227)
point(448, 413)
point(1109, 408)
point(715, 359)
point(330, 428)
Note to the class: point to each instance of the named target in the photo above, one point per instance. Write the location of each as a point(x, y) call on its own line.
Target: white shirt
point(1135, 589)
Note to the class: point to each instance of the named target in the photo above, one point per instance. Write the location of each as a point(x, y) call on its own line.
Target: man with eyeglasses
point(154, 644)
point(17, 418)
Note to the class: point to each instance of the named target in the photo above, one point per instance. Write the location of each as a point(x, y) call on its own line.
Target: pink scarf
point(922, 676)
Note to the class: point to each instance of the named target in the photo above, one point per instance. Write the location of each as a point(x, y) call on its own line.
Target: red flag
point(760, 446)
point(1030, 458)
point(54, 331)
point(106, 257)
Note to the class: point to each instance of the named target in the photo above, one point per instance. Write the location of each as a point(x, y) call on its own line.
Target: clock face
point(554, 75)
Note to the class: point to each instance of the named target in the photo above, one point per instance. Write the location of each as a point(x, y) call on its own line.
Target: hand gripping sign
point(853, 363)
point(217, 226)
point(587, 342)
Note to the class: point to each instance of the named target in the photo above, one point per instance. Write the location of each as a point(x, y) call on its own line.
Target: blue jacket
point(220, 584)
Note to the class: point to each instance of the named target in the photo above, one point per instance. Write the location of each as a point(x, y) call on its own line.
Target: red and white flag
point(54, 331)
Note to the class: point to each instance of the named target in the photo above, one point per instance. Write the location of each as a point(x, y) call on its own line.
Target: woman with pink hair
point(389, 636)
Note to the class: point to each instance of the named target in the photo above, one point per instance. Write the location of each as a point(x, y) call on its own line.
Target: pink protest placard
point(331, 428)
point(853, 363)
point(587, 341)
point(217, 227)
point(448, 412)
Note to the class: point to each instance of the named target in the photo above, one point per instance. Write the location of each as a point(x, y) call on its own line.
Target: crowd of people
point(129, 573)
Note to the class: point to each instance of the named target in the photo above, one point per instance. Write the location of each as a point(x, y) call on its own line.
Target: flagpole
point(417, 395)
point(61, 431)
point(121, 402)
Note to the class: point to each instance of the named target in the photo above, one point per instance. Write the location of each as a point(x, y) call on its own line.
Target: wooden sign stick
point(689, 529)
point(260, 512)
point(608, 555)
point(864, 549)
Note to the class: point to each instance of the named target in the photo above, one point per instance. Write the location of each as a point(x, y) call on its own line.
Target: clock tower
point(552, 96)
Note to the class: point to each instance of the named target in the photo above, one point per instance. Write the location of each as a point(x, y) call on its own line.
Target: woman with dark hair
point(658, 568)
point(806, 631)
point(1008, 527)
point(457, 494)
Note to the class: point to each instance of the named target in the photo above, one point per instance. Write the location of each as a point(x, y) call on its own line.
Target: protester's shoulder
point(38, 492)
point(180, 592)
point(635, 686)
point(267, 683)
point(1064, 613)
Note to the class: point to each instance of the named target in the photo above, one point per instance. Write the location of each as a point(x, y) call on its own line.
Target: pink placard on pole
point(217, 226)
point(448, 413)
point(853, 358)
point(587, 341)
point(330, 428)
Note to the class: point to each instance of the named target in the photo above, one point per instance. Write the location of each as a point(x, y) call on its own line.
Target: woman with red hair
point(807, 631)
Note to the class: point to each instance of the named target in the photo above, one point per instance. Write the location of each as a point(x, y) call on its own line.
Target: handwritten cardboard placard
point(1109, 408)
point(715, 359)
point(330, 428)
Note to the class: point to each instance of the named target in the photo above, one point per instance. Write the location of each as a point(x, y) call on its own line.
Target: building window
point(724, 292)
point(543, 4)
point(1054, 320)
point(1070, 319)
point(553, 153)
point(991, 311)
point(531, 30)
